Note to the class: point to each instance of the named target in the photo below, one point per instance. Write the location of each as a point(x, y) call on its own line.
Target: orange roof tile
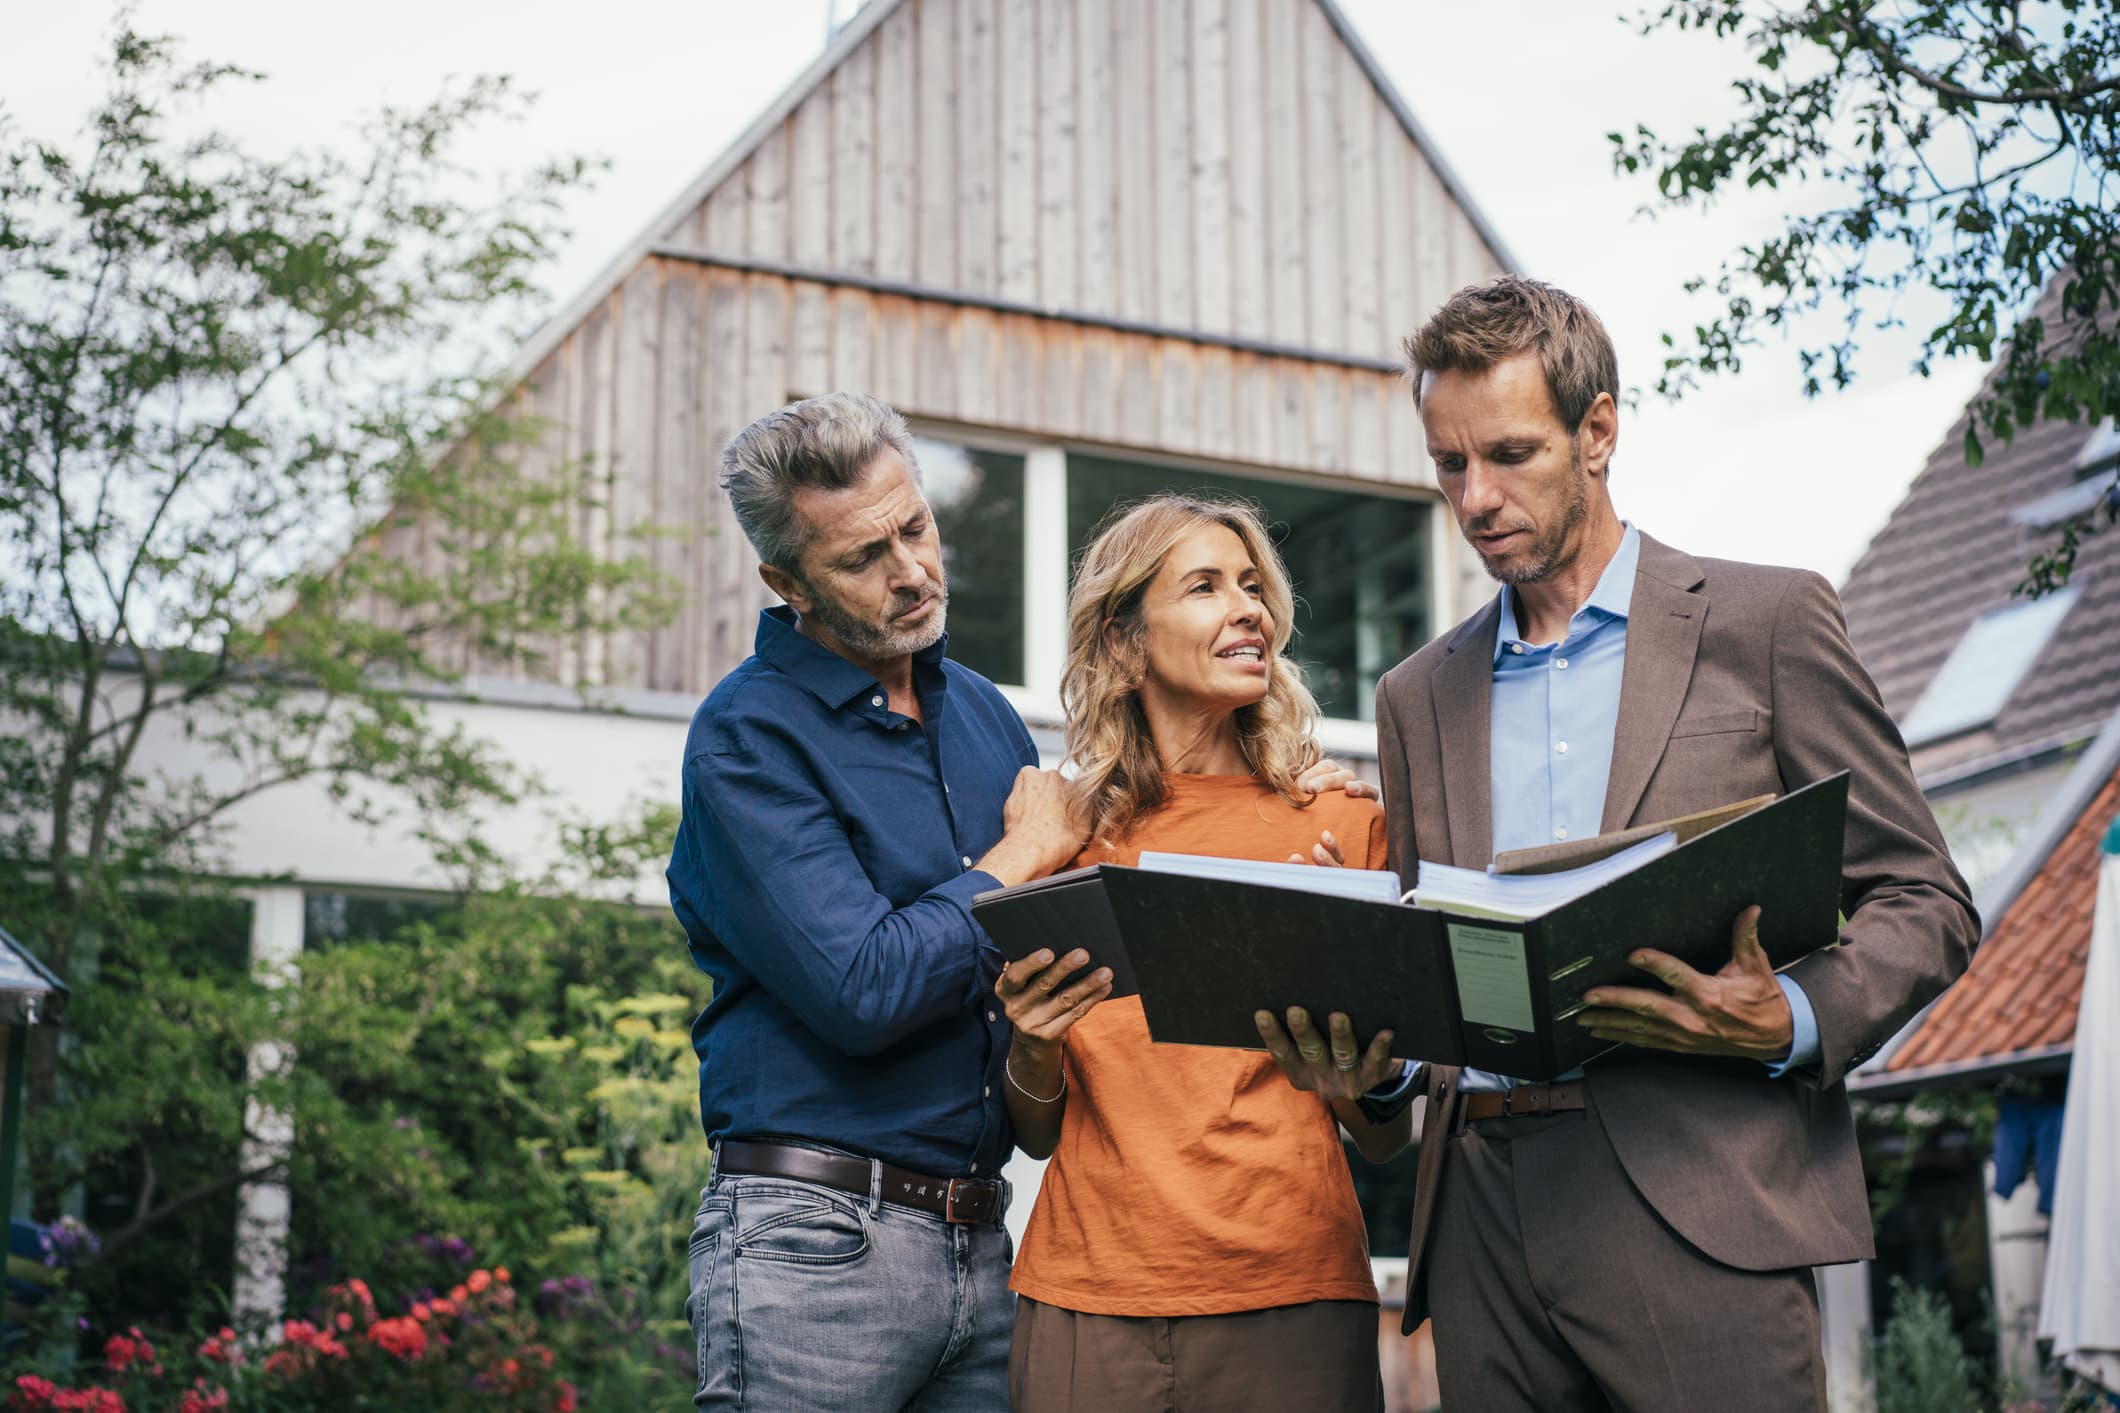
point(2022, 990)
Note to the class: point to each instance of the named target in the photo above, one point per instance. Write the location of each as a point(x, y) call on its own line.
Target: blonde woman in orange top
point(1196, 1243)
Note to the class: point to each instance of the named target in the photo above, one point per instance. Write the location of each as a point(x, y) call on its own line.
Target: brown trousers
point(1321, 1356)
point(1556, 1289)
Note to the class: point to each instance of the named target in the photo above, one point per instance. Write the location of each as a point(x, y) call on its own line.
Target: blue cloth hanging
point(2027, 1134)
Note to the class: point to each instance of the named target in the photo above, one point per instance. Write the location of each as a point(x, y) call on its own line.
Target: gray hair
point(824, 443)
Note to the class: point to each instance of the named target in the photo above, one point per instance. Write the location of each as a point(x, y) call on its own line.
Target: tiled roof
point(1951, 551)
point(2022, 990)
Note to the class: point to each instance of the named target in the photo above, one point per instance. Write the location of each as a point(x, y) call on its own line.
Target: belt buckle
point(949, 1202)
point(1509, 1102)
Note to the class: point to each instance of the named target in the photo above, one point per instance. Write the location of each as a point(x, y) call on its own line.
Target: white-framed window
point(1014, 514)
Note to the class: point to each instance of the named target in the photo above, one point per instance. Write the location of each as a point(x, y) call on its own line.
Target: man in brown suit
point(1641, 1236)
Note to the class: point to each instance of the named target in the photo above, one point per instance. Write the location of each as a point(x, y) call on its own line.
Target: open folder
point(1484, 968)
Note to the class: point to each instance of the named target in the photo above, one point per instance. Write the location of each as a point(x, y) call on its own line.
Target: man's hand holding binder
point(1739, 1010)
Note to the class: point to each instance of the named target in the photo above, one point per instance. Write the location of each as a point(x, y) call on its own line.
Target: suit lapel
point(1463, 689)
point(1664, 623)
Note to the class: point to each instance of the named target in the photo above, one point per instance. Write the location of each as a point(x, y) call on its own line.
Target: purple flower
point(67, 1240)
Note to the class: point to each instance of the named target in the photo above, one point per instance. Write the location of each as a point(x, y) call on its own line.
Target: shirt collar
point(1611, 599)
point(828, 676)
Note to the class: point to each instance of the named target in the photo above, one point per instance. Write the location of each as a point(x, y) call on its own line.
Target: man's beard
point(879, 642)
point(1544, 555)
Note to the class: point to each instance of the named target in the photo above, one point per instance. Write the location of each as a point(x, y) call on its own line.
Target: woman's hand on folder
point(1331, 1066)
point(1739, 1010)
point(1040, 1003)
point(1326, 853)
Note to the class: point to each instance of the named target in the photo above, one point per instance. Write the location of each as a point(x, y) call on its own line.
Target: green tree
point(232, 389)
point(1967, 148)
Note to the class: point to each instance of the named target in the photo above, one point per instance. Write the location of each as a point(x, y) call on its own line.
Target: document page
point(1523, 895)
point(1378, 885)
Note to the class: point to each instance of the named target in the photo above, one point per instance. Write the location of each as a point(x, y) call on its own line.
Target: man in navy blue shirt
point(847, 791)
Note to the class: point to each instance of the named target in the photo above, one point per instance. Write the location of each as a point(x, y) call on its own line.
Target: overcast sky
point(1518, 97)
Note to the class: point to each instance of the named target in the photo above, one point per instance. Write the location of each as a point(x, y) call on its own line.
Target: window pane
point(1976, 680)
point(1359, 562)
point(977, 497)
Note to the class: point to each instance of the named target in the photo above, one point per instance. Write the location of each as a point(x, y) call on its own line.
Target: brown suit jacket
point(1739, 681)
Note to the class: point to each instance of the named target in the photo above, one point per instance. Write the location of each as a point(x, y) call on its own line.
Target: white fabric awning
point(2079, 1308)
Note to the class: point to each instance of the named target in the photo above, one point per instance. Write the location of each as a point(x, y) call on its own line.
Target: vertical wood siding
point(1220, 165)
point(641, 398)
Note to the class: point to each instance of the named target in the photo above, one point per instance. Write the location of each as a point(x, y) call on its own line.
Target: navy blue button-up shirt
point(823, 874)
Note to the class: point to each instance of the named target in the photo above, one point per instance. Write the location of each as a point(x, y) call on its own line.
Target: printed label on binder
point(1493, 983)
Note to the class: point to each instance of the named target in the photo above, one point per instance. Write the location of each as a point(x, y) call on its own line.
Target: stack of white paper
point(1479, 893)
point(1362, 884)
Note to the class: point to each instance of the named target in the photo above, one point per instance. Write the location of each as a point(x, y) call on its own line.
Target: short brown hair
point(1483, 324)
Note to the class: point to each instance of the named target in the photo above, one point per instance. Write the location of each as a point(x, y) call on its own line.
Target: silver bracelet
point(1008, 1068)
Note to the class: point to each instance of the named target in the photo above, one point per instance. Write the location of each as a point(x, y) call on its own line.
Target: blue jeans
point(806, 1298)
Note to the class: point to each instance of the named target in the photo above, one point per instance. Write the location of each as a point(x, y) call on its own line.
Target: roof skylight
point(1976, 680)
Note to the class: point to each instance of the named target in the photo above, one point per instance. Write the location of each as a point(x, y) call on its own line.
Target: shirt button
point(991, 1016)
point(1517, 648)
point(875, 701)
point(1560, 833)
point(975, 1167)
point(967, 860)
point(987, 1092)
point(1561, 663)
point(1560, 747)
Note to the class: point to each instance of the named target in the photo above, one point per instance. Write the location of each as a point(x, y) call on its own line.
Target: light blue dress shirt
point(1553, 711)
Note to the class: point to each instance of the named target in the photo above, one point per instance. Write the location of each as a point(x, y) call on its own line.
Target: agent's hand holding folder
point(1486, 968)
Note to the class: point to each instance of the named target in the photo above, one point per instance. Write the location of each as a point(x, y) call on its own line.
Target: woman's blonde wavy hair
point(1118, 772)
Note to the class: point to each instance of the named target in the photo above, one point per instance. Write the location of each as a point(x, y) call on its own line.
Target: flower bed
point(476, 1347)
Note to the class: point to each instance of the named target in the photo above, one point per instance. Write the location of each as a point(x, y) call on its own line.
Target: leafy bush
point(1918, 1364)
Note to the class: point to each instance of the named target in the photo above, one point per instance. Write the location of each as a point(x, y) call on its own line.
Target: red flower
point(479, 1281)
point(402, 1337)
point(87, 1400)
point(32, 1392)
point(500, 1273)
point(567, 1401)
point(221, 1347)
point(122, 1351)
point(201, 1399)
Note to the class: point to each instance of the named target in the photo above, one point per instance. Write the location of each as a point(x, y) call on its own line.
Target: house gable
point(1232, 168)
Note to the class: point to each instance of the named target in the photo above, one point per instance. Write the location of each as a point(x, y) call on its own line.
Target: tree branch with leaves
point(257, 490)
point(1969, 149)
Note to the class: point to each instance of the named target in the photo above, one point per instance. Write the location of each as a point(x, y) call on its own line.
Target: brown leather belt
point(1520, 1100)
point(967, 1200)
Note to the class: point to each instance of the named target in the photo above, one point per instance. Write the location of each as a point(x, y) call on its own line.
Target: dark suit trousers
point(1554, 1287)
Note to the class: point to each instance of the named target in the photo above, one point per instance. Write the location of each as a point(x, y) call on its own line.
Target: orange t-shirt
point(1189, 1180)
